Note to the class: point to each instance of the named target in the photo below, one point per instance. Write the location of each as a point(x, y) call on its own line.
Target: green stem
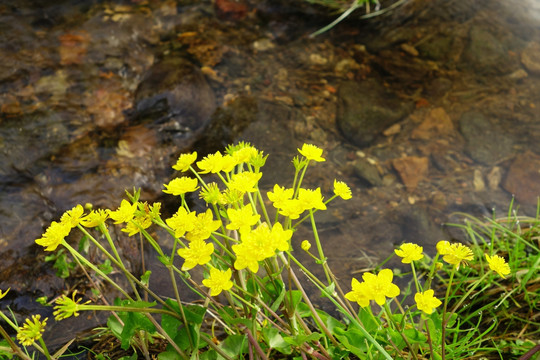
point(415, 277)
point(322, 258)
point(179, 302)
point(44, 347)
point(121, 265)
point(445, 318)
point(76, 254)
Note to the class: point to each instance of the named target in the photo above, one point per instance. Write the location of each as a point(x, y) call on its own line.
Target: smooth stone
point(174, 98)
point(485, 143)
point(523, 178)
point(366, 109)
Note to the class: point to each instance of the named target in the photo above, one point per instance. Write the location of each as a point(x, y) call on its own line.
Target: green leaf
point(208, 355)
point(353, 340)
point(145, 278)
point(371, 323)
point(115, 326)
point(193, 313)
point(106, 267)
point(301, 338)
point(415, 336)
point(5, 354)
point(134, 322)
point(164, 259)
point(234, 346)
point(329, 291)
point(275, 340)
point(275, 292)
point(170, 324)
point(169, 355)
point(294, 296)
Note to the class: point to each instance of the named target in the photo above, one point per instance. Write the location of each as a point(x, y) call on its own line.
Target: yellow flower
point(66, 307)
point(292, 208)
point(73, 216)
point(359, 293)
point(180, 186)
point(426, 302)
point(497, 264)
point(2, 294)
point(380, 286)
point(185, 161)
point(124, 213)
point(245, 257)
point(409, 252)
point(256, 245)
point(54, 235)
point(204, 225)
point(218, 281)
point(443, 247)
point(245, 181)
point(198, 253)
point(457, 253)
point(280, 238)
point(242, 218)
point(31, 330)
point(215, 163)
point(245, 154)
point(311, 152)
point(211, 194)
point(182, 221)
point(279, 196)
point(306, 245)
point(138, 223)
point(342, 190)
point(311, 199)
point(95, 218)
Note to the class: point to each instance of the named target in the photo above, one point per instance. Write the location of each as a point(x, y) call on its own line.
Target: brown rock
point(530, 57)
point(411, 170)
point(436, 123)
point(523, 178)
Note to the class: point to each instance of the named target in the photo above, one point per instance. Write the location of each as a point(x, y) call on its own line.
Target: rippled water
point(450, 89)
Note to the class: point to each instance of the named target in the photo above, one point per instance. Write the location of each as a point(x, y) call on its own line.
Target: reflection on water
point(431, 109)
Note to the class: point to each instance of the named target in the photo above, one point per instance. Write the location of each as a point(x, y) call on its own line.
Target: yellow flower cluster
point(409, 252)
point(454, 254)
point(282, 199)
point(31, 330)
point(374, 287)
point(260, 244)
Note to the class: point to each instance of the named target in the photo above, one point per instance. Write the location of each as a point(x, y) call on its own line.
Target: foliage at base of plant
point(465, 302)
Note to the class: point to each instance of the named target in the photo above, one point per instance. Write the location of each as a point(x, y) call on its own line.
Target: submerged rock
point(366, 109)
point(485, 142)
point(486, 54)
point(523, 178)
point(175, 99)
point(530, 57)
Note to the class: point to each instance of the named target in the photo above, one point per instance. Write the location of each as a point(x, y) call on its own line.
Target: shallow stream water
point(430, 109)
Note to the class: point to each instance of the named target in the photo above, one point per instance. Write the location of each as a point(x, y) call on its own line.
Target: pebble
point(478, 181)
point(494, 178)
point(263, 45)
point(409, 49)
point(392, 130)
point(530, 57)
point(411, 170)
point(317, 59)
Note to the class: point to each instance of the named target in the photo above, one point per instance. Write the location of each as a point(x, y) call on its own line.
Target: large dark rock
point(485, 142)
point(523, 178)
point(175, 98)
point(366, 109)
point(486, 54)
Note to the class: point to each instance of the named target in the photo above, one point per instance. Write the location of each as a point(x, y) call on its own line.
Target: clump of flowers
point(237, 254)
